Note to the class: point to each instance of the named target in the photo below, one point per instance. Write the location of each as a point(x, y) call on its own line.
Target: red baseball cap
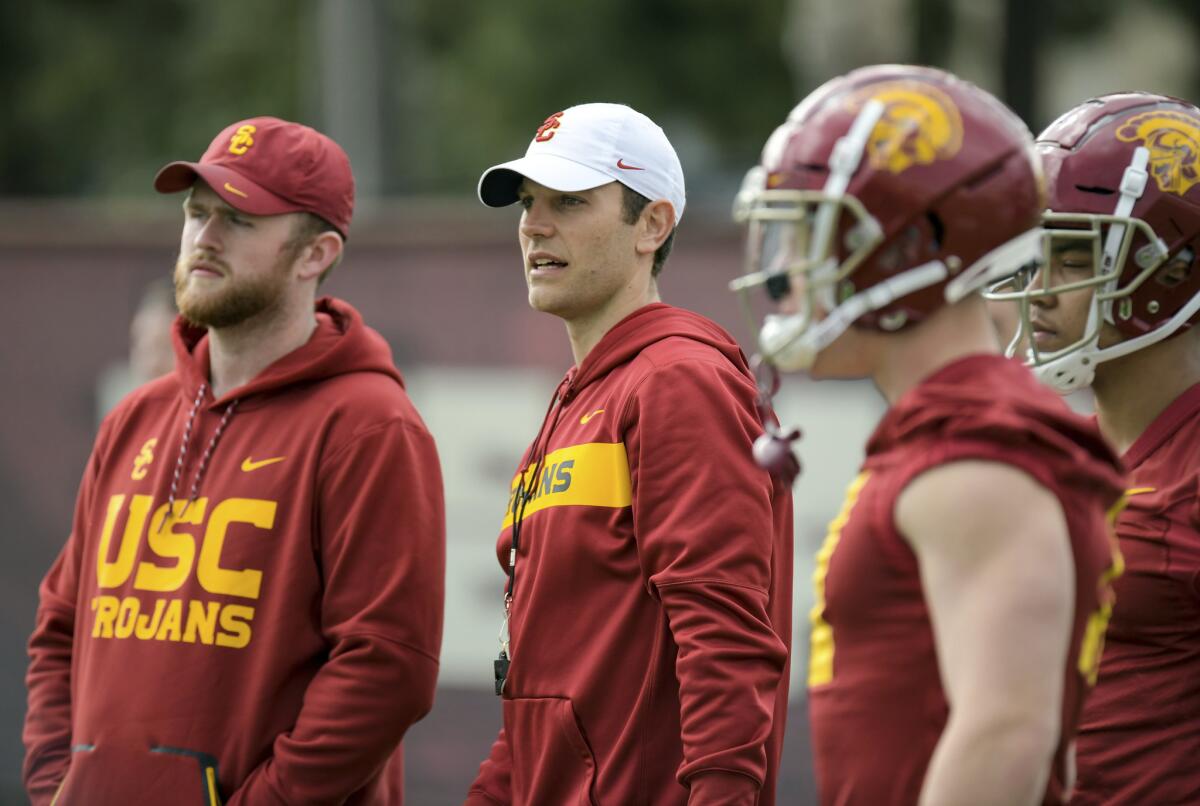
point(268, 166)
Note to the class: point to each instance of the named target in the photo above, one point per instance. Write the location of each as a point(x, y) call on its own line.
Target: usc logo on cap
point(546, 130)
point(241, 141)
point(920, 125)
point(1173, 140)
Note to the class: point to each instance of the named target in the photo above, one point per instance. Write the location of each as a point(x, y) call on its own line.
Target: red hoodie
point(272, 642)
point(652, 605)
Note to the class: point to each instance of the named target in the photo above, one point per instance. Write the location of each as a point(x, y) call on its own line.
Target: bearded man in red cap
point(238, 616)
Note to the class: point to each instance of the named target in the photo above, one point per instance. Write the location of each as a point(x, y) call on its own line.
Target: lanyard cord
point(525, 488)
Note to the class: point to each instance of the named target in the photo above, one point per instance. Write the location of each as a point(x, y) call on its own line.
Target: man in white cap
point(644, 646)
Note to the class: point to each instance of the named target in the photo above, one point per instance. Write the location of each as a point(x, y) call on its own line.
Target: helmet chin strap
point(785, 339)
point(773, 448)
point(1077, 369)
point(1133, 185)
point(790, 345)
point(997, 264)
point(1072, 367)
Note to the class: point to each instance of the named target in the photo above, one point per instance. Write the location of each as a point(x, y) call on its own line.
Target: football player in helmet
point(1116, 310)
point(961, 592)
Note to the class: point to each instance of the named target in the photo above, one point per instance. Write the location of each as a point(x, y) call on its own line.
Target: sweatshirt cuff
point(720, 788)
point(477, 797)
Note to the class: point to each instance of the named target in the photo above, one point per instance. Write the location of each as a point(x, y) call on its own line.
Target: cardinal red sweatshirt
point(269, 636)
point(652, 593)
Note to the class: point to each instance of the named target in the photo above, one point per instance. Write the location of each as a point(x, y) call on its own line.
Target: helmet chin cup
point(782, 339)
point(772, 449)
point(1067, 373)
point(773, 452)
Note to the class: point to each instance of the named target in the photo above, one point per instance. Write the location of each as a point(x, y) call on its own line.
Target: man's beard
point(237, 299)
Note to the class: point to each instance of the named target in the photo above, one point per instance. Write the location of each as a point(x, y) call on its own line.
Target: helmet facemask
point(792, 236)
point(804, 247)
point(1120, 245)
point(837, 238)
point(791, 255)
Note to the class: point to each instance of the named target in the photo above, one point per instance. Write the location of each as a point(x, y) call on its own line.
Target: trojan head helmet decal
point(920, 125)
point(1173, 140)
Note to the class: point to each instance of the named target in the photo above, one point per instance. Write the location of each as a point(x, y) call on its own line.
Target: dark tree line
point(97, 94)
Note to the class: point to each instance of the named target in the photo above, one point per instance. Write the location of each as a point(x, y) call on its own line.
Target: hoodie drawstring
point(208, 452)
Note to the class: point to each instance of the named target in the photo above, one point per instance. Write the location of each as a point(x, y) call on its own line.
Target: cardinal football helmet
point(1123, 171)
point(888, 193)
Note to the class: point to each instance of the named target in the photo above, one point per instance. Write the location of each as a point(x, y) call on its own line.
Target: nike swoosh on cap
point(623, 165)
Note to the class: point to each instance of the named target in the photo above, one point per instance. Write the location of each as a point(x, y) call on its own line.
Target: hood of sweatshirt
point(645, 326)
point(642, 328)
point(341, 344)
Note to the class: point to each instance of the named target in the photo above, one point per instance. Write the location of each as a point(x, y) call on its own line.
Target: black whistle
point(500, 665)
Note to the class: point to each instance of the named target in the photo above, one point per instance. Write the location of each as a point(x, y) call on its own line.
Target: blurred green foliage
point(708, 71)
point(99, 94)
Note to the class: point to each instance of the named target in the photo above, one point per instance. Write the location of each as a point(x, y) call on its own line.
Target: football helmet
point(887, 193)
point(1122, 171)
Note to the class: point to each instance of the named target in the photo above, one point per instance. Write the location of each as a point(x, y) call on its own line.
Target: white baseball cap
point(591, 145)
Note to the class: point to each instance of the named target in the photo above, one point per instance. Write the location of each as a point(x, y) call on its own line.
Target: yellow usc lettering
point(177, 620)
point(212, 576)
point(112, 574)
point(170, 557)
point(179, 547)
point(169, 544)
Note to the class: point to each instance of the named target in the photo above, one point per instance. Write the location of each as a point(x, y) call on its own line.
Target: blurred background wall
point(424, 95)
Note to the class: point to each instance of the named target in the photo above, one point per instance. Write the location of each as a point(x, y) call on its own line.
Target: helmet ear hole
point(938, 230)
point(1176, 272)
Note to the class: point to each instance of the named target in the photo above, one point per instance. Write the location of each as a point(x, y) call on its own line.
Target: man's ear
point(656, 224)
point(321, 253)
